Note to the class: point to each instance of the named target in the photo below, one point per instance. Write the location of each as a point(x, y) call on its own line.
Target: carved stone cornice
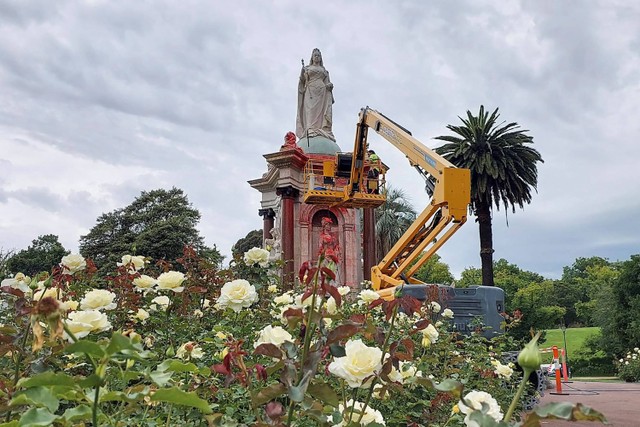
point(290, 158)
point(267, 182)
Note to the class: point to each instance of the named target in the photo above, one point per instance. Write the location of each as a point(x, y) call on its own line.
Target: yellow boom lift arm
point(449, 186)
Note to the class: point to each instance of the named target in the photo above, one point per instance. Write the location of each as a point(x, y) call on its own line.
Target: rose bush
point(308, 356)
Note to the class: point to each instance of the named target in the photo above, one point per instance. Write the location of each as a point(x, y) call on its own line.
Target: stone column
point(267, 222)
point(289, 194)
point(368, 241)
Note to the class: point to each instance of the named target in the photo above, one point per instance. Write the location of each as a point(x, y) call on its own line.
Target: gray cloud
point(114, 98)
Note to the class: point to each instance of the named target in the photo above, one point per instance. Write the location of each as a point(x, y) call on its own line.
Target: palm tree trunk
point(483, 213)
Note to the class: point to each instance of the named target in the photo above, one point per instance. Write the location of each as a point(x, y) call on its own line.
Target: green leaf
point(447, 386)
point(47, 378)
point(324, 393)
point(37, 396)
point(119, 343)
point(120, 396)
point(91, 381)
point(87, 347)
point(82, 412)
point(13, 423)
point(337, 350)
point(564, 411)
point(37, 417)
point(161, 378)
point(267, 394)
point(176, 396)
point(177, 366)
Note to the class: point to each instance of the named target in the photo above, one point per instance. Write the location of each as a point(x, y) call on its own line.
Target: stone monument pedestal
point(300, 224)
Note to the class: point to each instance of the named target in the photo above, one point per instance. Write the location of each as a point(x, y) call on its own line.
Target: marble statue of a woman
point(315, 99)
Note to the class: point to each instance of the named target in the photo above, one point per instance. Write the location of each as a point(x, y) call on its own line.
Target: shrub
point(206, 347)
point(629, 366)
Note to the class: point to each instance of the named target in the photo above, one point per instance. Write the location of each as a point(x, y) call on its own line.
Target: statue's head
point(316, 57)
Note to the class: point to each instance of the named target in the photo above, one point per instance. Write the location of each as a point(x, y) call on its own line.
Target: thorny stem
point(96, 397)
point(384, 352)
point(516, 398)
point(307, 335)
point(16, 373)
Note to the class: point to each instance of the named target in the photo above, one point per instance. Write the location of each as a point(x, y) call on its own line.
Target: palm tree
point(503, 170)
point(392, 219)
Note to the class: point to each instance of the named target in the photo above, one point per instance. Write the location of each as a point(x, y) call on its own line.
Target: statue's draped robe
point(314, 104)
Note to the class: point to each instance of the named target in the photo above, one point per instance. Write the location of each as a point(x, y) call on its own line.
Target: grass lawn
point(575, 339)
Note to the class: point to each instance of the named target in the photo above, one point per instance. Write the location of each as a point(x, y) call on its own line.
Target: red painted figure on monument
point(329, 243)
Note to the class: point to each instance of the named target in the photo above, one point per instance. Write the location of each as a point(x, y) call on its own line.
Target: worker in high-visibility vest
point(373, 173)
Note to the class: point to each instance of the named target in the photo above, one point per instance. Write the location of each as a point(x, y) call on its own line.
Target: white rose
point(19, 281)
point(69, 305)
point(134, 262)
point(429, 335)
point(271, 335)
point(141, 314)
point(447, 313)
point(44, 293)
point(198, 313)
point(189, 350)
point(474, 400)
point(144, 282)
point(360, 362)
point(435, 307)
point(98, 299)
point(368, 296)
point(351, 414)
point(272, 289)
point(237, 294)
point(332, 306)
point(81, 323)
point(171, 280)
point(162, 301)
point(343, 290)
point(283, 299)
point(73, 263)
point(503, 371)
point(257, 256)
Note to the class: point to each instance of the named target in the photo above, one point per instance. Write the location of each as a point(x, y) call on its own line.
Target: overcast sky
point(100, 100)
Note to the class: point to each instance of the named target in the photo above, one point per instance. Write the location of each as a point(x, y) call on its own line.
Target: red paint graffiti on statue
point(329, 245)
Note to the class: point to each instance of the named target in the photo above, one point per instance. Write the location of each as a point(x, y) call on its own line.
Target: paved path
point(619, 402)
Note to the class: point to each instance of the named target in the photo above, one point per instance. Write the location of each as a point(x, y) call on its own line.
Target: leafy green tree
point(253, 239)
point(44, 253)
point(434, 271)
point(596, 310)
point(470, 276)
point(579, 285)
point(392, 219)
point(4, 259)
point(623, 329)
point(157, 224)
point(503, 170)
point(539, 311)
